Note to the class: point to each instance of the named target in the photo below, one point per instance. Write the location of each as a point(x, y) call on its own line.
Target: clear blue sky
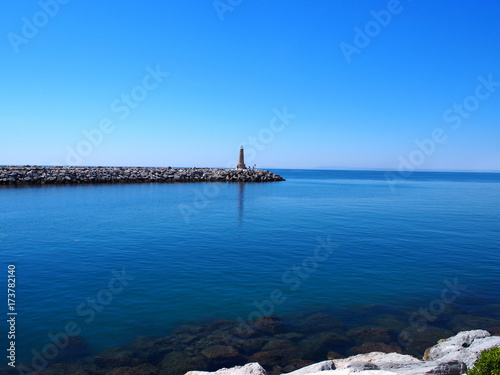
point(70, 68)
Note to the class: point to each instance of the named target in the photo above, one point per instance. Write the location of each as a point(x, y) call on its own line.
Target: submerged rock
point(176, 363)
point(116, 357)
point(371, 334)
point(154, 350)
point(61, 369)
point(144, 369)
point(418, 339)
point(464, 322)
point(270, 324)
point(252, 345)
point(318, 345)
point(222, 356)
point(277, 344)
point(319, 322)
point(219, 351)
point(394, 323)
point(279, 357)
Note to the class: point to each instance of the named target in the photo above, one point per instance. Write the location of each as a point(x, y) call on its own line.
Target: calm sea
point(121, 261)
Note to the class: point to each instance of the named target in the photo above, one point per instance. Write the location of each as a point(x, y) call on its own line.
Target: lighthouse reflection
point(241, 198)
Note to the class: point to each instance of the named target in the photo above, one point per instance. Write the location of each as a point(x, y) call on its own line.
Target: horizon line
point(268, 168)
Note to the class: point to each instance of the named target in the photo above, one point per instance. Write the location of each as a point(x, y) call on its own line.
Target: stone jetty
point(39, 175)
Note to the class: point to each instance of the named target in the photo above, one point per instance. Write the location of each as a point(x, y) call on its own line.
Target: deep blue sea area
point(347, 242)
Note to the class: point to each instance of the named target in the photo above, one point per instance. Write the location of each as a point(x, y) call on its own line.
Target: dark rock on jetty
point(37, 175)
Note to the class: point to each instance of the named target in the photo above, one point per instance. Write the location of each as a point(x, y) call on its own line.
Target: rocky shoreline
point(452, 356)
point(39, 175)
point(271, 345)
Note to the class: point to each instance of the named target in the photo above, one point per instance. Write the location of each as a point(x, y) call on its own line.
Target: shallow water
point(196, 252)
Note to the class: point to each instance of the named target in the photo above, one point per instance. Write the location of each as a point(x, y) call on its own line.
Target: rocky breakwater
point(453, 356)
point(38, 175)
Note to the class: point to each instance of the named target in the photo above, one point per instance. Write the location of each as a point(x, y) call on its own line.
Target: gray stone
point(449, 368)
point(317, 367)
point(248, 369)
point(465, 347)
point(369, 347)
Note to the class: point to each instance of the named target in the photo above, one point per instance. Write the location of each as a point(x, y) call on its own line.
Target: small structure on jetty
point(241, 162)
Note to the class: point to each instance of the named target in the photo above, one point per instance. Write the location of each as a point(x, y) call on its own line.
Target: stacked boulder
point(38, 175)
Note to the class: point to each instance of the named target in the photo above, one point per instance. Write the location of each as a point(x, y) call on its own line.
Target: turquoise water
point(196, 252)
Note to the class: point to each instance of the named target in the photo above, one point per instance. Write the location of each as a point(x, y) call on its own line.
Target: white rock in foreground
point(377, 360)
point(465, 347)
point(317, 367)
point(248, 369)
point(353, 371)
point(390, 363)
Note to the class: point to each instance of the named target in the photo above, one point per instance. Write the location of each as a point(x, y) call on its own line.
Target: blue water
point(203, 251)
